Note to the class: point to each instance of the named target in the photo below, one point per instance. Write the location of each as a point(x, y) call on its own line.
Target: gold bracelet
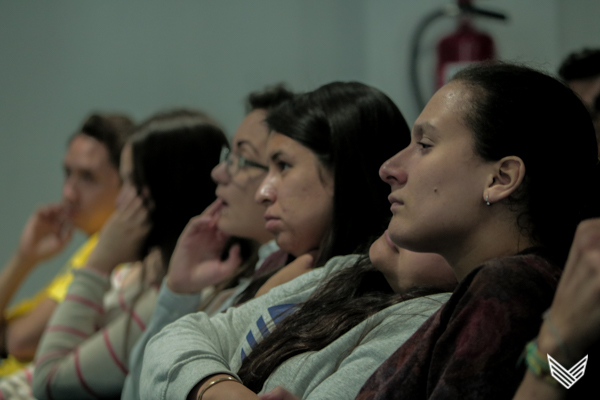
point(214, 382)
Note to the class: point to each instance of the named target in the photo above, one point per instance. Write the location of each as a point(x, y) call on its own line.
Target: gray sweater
point(171, 306)
point(197, 346)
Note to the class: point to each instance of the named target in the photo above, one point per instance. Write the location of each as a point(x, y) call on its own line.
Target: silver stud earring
point(487, 202)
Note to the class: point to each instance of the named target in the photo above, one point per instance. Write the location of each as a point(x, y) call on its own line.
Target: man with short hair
point(581, 71)
point(90, 189)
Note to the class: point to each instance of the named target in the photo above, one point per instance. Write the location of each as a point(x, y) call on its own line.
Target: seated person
point(91, 186)
point(165, 168)
point(581, 71)
point(323, 145)
point(234, 213)
point(488, 152)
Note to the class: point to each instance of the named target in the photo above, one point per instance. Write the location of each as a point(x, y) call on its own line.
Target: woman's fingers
point(574, 311)
point(213, 209)
point(587, 238)
point(234, 259)
point(197, 226)
point(132, 208)
point(214, 212)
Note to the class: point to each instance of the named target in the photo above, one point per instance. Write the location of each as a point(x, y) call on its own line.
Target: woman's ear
point(507, 176)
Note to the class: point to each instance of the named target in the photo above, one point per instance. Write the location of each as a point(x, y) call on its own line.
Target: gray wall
point(60, 60)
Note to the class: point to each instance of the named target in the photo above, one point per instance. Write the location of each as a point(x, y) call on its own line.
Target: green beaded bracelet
point(537, 363)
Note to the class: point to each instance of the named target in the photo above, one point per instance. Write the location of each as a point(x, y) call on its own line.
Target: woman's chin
point(382, 255)
point(227, 226)
point(398, 238)
point(290, 246)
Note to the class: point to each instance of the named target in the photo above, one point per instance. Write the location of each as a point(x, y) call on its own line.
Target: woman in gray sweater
point(317, 151)
point(316, 352)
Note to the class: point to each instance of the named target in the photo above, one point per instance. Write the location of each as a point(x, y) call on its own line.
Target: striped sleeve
point(82, 354)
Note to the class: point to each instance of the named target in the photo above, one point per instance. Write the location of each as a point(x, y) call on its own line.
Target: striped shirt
point(83, 353)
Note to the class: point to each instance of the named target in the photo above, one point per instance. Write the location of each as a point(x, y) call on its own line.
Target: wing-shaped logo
point(566, 377)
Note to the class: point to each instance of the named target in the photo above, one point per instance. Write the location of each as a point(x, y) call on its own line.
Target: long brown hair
point(173, 155)
point(352, 129)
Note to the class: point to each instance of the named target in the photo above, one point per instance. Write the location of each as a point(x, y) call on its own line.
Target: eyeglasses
point(234, 162)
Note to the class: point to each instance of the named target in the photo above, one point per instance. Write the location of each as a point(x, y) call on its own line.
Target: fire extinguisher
point(456, 50)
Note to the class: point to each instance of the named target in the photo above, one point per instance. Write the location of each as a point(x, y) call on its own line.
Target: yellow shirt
point(57, 290)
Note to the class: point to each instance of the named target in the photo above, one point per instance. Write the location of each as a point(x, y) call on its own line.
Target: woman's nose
point(219, 173)
point(392, 171)
point(266, 193)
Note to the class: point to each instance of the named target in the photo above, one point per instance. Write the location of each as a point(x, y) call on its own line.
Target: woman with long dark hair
point(344, 131)
point(233, 214)
point(165, 169)
point(324, 151)
point(500, 171)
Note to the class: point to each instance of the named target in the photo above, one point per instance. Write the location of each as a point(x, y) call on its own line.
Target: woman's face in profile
point(240, 215)
point(438, 183)
point(298, 195)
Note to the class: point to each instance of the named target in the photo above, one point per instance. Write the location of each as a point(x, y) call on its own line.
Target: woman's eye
point(88, 177)
point(242, 163)
point(424, 145)
point(282, 165)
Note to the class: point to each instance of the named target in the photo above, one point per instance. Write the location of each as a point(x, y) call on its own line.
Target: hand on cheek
point(196, 262)
point(123, 234)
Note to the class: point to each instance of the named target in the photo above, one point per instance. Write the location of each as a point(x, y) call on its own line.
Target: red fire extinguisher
point(456, 50)
point(463, 47)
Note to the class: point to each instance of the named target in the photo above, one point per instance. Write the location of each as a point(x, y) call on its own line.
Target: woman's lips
point(395, 202)
point(219, 206)
point(272, 222)
point(219, 195)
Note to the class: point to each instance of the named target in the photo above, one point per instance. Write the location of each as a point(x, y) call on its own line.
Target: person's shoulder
point(525, 271)
point(417, 309)
point(81, 255)
point(528, 263)
point(339, 263)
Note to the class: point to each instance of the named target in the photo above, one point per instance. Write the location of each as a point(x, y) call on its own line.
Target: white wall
point(578, 25)
point(60, 60)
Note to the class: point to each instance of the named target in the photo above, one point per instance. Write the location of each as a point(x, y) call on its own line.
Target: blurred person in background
point(91, 185)
point(581, 71)
point(165, 169)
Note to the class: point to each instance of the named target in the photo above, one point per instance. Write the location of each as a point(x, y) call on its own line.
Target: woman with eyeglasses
point(200, 277)
point(324, 202)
